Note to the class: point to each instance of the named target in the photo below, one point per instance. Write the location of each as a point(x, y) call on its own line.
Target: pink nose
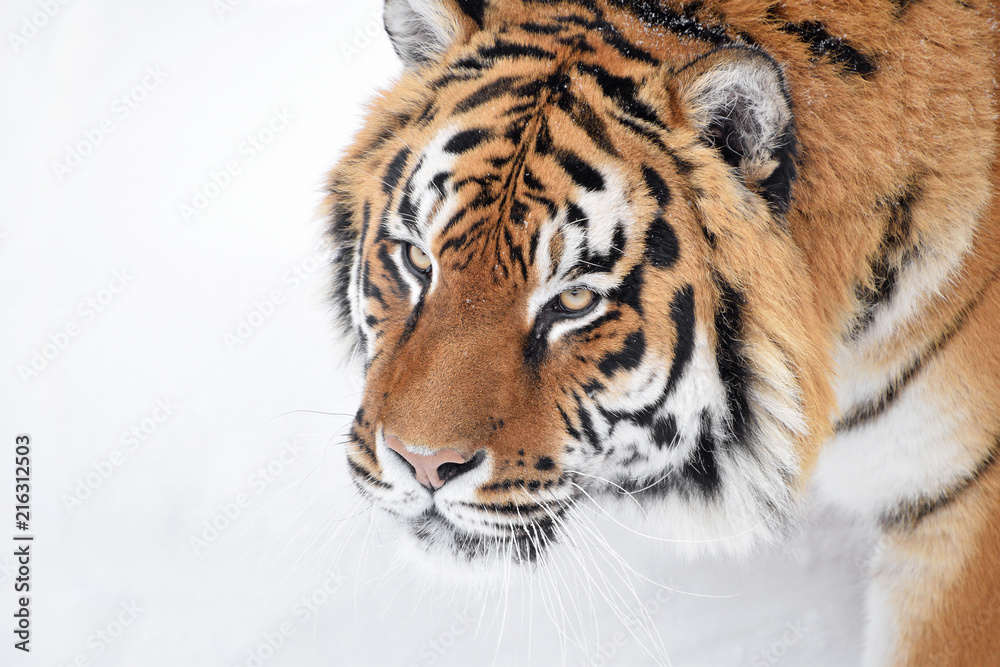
point(427, 468)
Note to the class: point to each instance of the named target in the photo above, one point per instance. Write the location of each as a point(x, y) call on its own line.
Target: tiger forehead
point(525, 160)
point(516, 208)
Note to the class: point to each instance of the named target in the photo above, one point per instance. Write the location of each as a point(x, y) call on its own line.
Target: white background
point(88, 357)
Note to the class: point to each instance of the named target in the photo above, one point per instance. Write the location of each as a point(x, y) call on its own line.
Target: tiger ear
point(738, 101)
point(422, 30)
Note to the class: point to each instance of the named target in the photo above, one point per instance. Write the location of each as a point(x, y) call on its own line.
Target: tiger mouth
point(520, 542)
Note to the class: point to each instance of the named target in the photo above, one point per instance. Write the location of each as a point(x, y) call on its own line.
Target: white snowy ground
point(164, 359)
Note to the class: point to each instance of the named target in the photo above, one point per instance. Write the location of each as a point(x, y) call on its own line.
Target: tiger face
point(563, 258)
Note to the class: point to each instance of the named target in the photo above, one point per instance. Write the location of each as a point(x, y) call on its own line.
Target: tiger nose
point(430, 470)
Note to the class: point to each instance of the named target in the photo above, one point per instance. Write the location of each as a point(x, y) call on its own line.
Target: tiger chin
point(701, 260)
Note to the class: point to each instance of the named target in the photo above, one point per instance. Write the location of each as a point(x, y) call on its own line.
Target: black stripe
point(623, 91)
point(470, 63)
point(730, 354)
point(576, 19)
point(550, 205)
point(777, 188)
point(657, 187)
point(341, 220)
point(583, 115)
point(665, 433)
point(542, 28)
point(483, 181)
point(345, 238)
point(642, 417)
point(534, 87)
point(365, 476)
point(368, 288)
point(883, 285)
point(533, 247)
point(510, 508)
point(577, 44)
point(384, 134)
point(483, 199)
point(642, 131)
point(394, 171)
point(531, 180)
point(502, 49)
point(628, 357)
point(700, 474)
point(682, 314)
point(356, 438)
point(452, 221)
point(515, 253)
point(411, 323)
point(610, 316)
point(388, 130)
point(455, 242)
point(870, 410)
point(582, 173)
point(702, 470)
point(486, 93)
point(901, 6)
point(536, 344)
point(399, 286)
point(366, 216)
point(821, 43)
point(427, 115)
point(452, 77)
point(569, 425)
point(474, 9)
point(519, 212)
point(543, 139)
point(615, 40)
point(908, 514)
point(588, 5)
point(682, 166)
point(341, 281)
point(439, 180)
point(886, 265)
point(576, 217)
point(407, 208)
point(587, 425)
point(662, 248)
point(466, 140)
point(594, 263)
point(682, 23)
point(629, 291)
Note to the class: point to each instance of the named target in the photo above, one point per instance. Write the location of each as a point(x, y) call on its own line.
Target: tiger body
point(785, 218)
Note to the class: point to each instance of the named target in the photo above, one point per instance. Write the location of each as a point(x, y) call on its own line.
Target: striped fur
point(786, 212)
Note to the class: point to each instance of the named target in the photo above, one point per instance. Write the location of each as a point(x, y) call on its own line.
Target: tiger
point(719, 259)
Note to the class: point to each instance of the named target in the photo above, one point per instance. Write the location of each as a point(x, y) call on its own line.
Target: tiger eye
point(575, 300)
point(419, 258)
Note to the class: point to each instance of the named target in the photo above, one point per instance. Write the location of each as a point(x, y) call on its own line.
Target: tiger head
point(564, 259)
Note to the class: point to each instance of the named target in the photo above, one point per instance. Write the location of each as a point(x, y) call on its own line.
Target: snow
point(186, 374)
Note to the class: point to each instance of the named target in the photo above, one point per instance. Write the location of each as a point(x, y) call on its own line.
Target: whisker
point(675, 541)
point(311, 412)
point(624, 492)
